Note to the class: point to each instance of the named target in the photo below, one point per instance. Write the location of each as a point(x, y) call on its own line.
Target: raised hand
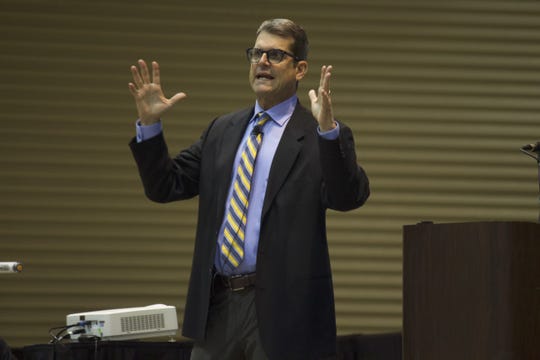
point(321, 103)
point(149, 98)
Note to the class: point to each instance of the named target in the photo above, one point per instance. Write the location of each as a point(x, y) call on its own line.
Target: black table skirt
point(350, 347)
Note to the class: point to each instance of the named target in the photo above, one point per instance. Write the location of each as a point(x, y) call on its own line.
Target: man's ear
point(301, 69)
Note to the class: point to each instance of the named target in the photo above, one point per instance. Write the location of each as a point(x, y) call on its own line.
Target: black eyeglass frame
point(281, 53)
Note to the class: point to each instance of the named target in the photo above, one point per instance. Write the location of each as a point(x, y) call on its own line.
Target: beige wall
point(440, 95)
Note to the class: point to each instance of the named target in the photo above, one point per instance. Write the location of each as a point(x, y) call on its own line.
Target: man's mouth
point(264, 76)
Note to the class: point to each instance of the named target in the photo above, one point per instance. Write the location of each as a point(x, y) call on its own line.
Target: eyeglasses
point(274, 56)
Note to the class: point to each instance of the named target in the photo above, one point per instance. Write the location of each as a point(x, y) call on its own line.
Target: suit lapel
point(286, 154)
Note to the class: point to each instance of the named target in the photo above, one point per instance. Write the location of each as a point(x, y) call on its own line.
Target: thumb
point(177, 97)
point(312, 96)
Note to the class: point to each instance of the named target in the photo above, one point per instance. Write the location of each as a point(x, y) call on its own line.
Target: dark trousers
point(232, 330)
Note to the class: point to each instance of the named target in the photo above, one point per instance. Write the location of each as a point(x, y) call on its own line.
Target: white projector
point(124, 324)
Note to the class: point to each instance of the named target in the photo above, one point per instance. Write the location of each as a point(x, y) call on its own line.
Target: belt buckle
point(234, 289)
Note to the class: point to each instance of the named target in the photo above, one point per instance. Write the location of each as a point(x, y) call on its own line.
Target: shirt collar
point(279, 113)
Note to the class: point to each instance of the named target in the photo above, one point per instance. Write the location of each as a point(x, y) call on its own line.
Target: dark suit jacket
point(294, 293)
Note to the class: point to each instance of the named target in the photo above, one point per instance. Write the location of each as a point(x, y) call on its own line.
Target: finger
point(136, 76)
point(321, 80)
point(326, 78)
point(144, 72)
point(132, 89)
point(155, 73)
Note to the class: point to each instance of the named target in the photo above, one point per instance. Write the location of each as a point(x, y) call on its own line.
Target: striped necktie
point(232, 248)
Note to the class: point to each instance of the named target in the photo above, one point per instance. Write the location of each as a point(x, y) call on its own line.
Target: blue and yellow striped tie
point(232, 248)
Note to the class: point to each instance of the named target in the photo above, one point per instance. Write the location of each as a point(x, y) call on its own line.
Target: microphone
point(532, 147)
point(10, 267)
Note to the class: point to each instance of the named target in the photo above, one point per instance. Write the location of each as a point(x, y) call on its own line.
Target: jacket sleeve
point(345, 183)
point(165, 178)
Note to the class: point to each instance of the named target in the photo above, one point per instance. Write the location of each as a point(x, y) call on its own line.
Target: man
point(260, 285)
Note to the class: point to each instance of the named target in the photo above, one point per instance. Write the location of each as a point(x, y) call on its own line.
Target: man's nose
point(264, 58)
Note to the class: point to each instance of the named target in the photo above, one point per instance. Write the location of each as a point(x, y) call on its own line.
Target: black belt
point(233, 283)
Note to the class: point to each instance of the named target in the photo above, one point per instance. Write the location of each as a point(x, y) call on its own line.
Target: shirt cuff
point(330, 134)
point(145, 132)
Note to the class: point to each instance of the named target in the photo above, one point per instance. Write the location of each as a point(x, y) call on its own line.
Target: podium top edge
point(499, 222)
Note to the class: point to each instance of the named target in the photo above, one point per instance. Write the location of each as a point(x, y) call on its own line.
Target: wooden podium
point(471, 291)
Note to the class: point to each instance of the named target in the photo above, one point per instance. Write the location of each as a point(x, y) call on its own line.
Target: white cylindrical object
point(9, 267)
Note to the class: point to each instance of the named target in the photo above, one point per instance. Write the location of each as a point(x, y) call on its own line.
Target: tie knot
point(262, 118)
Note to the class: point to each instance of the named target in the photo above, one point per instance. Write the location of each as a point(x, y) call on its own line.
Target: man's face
point(274, 83)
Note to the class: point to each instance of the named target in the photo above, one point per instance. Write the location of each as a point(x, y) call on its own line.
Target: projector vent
point(142, 322)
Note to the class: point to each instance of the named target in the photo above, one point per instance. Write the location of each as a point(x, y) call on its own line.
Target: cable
point(57, 337)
